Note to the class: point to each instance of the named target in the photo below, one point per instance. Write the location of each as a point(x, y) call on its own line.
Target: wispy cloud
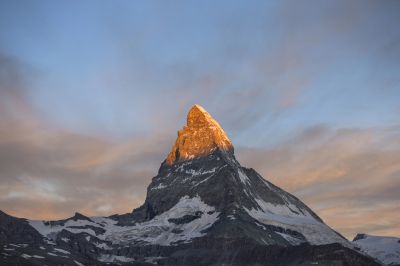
point(346, 175)
point(314, 87)
point(49, 172)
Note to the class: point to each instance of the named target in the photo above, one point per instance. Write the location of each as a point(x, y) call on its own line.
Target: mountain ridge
point(203, 208)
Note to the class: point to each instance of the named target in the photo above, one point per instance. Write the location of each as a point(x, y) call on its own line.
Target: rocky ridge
point(199, 137)
point(202, 208)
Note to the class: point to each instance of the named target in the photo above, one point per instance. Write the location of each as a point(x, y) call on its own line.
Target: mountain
point(202, 208)
point(385, 249)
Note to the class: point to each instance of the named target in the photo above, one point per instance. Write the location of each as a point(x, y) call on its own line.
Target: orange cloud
point(350, 177)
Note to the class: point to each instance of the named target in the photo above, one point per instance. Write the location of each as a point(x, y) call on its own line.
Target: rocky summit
point(202, 208)
point(201, 136)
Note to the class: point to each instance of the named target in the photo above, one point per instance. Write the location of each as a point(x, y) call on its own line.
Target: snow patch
point(243, 177)
point(50, 231)
point(200, 172)
point(103, 246)
point(62, 251)
point(159, 230)
point(291, 217)
point(114, 258)
point(153, 259)
point(78, 263)
point(160, 186)
point(207, 178)
point(292, 240)
point(231, 217)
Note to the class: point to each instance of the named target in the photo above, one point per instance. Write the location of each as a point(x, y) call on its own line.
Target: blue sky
point(268, 71)
point(336, 63)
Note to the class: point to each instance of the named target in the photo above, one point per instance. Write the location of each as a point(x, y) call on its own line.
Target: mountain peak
point(200, 202)
point(201, 136)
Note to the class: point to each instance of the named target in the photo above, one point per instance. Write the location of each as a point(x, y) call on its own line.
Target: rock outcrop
point(201, 136)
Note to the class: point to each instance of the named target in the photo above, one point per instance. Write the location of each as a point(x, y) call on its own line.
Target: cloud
point(350, 177)
point(58, 171)
point(74, 172)
point(279, 67)
point(14, 75)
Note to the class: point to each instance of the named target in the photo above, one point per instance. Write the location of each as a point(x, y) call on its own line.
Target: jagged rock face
point(249, 207)
point(200, 137)
point(202, 208)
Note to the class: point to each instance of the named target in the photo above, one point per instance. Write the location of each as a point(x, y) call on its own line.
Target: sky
point(92, 94)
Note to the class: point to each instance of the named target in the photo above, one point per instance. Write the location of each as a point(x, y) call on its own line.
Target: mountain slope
point(385, 249)
point(202, 208)
point(249, 205)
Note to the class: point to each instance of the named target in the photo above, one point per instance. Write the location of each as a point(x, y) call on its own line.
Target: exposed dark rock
point(185, 219)
point(76, 217)
point(359, 236)
point(202, 208)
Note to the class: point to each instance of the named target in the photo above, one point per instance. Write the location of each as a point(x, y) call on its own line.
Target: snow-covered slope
point(289, 216)
point(385, 249)
point(183, 222)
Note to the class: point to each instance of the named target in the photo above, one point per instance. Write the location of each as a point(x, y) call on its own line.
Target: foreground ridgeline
point(202, 208)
